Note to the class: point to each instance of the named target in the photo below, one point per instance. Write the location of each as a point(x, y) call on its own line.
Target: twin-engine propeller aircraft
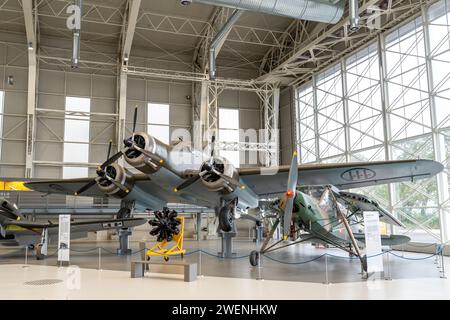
point(323, 215)
point(174, 174)
point(14, 226)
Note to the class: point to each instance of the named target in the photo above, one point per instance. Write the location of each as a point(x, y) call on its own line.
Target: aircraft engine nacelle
point(214, 182)
point(123, 181)
point(140, 161)
point(9, 209)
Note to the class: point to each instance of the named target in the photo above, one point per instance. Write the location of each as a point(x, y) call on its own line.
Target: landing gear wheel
point(254, 258)
point(166, 259)
point(182, 256)
point(147, 258)
point(226, 219)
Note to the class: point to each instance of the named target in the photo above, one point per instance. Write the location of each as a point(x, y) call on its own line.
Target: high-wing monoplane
point(323, 214)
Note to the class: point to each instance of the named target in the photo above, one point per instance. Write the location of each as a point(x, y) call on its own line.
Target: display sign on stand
point(373, 242)
point(64, 238)
point(44, 242)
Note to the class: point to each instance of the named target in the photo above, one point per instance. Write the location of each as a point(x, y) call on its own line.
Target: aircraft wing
point(66, 186)
point(79, 226)
point(70, 186)
point(392, 240)
point(163, 193)
point(387, 217)
point(272, 181)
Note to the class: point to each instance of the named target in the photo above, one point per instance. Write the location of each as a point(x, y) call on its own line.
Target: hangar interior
point(330, 93)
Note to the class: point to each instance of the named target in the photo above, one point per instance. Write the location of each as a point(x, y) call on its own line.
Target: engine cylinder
point(120, 175)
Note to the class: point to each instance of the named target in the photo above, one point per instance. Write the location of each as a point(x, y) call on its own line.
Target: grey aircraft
point(179, 174)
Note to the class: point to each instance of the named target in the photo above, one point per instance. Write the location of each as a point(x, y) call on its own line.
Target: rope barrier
point(439, 250)
point(414, 259)
point(83, 251)
point(110, 252)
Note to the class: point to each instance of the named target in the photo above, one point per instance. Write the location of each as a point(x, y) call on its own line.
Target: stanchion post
point(326, 270)
point(200, 262)
point(436, 251)
point(443, 275)
point(260, 277)
point(388, 266)
point(99, 259)
point(26, 255)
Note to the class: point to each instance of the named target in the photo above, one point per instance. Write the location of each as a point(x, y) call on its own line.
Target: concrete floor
point(64, 283)
point(340, 270)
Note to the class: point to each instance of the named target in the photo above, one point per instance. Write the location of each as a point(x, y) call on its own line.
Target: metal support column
point(127, 36)
point(271, 109)
point(345, 98)
point(121, 130)
point(199, 226)
point(213, 109)
point(259, 233)
point(30, 26)
point(227, 243)
point(392, 194)
point(226, 240)
point(438, 139)
point(124, 244)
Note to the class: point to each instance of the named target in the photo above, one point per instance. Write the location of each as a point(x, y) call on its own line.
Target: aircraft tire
point(225, 219)
point(254, 258)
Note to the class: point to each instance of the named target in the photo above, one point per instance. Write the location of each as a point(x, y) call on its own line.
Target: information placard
point(44, 242)
point(64, 238)
point(373, 241)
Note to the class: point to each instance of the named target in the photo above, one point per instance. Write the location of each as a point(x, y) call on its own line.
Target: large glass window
point(365, 112)
point(158, 119)
point(76, 136)
point(439, 31)
point(407, 81)
point(330, 108)
point(306, 130)
point(345, 113)
point(229, 133)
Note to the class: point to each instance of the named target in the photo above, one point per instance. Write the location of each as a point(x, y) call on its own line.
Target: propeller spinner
point(103, 174)
point(211, 169)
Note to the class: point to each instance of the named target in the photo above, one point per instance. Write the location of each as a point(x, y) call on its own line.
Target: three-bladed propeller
point(290, 195)
point(130, 141)
point(134, 143)
point(102, 173)
point(208, 168)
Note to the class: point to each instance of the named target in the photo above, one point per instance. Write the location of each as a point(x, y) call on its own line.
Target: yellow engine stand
point(160, 249)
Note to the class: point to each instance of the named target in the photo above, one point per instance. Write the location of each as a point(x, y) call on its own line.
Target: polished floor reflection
point(290, 264)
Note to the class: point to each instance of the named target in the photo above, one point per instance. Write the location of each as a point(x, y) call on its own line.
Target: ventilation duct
point(78, 6)
point(326, 11)
point(354, 15)
point(218, 41)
